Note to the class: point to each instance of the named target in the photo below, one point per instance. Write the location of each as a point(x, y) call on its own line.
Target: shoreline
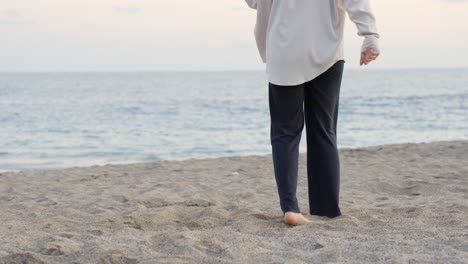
point(215, 157)
point(400, 203)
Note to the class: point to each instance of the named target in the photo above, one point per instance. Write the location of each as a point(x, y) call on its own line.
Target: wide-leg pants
point(317, 102)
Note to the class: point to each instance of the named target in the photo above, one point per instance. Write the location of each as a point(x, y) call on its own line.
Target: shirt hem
point(292, 81)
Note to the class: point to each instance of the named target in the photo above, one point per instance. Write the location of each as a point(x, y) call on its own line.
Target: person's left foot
point(292, 218)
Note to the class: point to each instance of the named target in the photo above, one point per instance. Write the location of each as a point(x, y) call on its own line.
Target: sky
point(206, 35)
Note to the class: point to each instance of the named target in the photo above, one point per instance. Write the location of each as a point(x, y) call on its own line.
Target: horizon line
point(229, 70)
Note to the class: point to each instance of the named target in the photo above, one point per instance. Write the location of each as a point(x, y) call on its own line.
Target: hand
point(368, 56)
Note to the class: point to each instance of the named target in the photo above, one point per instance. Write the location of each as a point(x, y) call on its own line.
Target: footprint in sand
point(210, 247)
point(20, 258)
point(116, 257)
point(58, 246)
point(169, 243)
point(199, 202)
point(120, 198)
point(44, 201)
point(407, 211)
point(264, 217)
point(155, 203)
point(130, 221)
point(96, 232)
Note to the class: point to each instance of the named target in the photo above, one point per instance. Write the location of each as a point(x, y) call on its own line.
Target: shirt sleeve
point(263, 8)
point(261, 26)
point(252, 3)
point(360, 12)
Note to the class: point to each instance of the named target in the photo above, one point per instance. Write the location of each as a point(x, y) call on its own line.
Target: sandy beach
point(401, 203)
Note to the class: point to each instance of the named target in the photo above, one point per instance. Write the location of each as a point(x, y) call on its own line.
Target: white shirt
point(300, 39)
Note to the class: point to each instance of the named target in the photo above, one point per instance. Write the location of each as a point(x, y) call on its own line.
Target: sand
point(401, 203)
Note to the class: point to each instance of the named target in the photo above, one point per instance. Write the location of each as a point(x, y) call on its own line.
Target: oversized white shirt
point(300, 39)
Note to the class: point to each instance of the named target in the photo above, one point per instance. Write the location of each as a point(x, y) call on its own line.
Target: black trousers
point(317, 101)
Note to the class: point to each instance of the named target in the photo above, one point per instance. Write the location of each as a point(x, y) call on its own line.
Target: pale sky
point(190, 35)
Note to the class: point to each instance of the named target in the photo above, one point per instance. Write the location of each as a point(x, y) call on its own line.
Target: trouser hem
point(327, 214)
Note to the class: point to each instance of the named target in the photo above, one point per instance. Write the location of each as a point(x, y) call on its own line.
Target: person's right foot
point(292, 218)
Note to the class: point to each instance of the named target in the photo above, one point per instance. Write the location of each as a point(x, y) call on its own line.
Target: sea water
point(54, 120)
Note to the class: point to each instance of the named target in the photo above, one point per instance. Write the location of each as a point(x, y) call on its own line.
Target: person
point(301, 42)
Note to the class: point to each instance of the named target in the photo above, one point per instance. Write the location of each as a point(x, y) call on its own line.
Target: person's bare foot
point(292, 218)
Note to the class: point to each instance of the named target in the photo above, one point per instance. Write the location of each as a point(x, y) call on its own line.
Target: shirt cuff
point(370, 41)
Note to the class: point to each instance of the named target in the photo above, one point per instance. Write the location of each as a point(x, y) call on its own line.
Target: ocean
point(56, 120)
